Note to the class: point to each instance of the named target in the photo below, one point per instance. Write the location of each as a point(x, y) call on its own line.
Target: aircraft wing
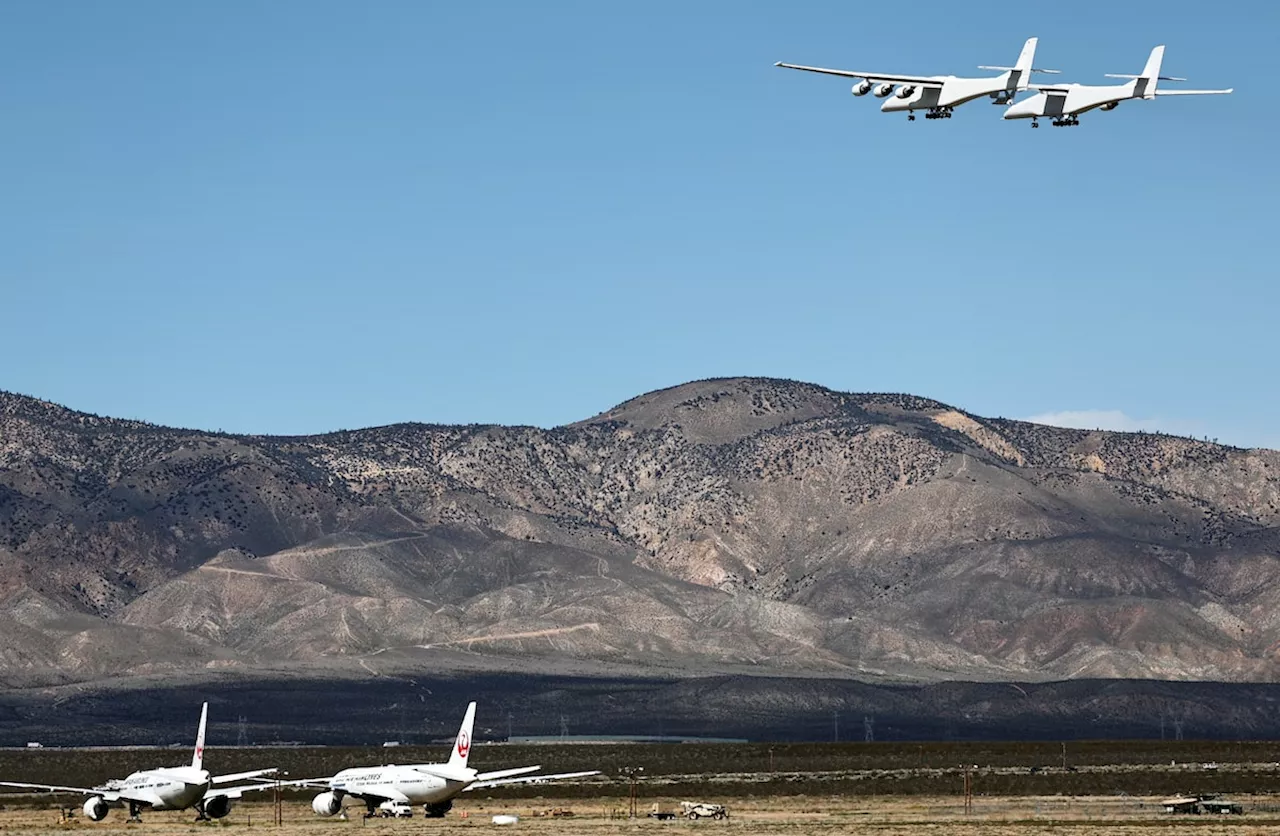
point(47, 787)
point(242, 776)
point(1194, 92)
point(530, 779)
point(108, 794)
point(923, 81)
point(319, 783)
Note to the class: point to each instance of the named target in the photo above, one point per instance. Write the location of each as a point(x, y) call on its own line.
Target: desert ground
point(758, 816)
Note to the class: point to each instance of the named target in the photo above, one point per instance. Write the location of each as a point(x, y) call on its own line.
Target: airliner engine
point(883, 90)
point(217, 807)
point(905, 91)
point(862, 88)
point(95, 809)
point(1110, 106)
point(326, 804)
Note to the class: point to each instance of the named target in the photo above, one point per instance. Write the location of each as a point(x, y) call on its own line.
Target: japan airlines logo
point(464, 744)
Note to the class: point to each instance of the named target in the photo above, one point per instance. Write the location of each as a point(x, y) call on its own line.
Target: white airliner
point(165, 788)
point(1065, 102)
point(938, 95)
point(433, 785)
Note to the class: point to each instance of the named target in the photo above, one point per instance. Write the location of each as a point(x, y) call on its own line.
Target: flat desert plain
point(757, 816)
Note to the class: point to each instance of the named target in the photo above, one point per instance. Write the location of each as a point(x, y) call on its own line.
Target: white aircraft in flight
point(164, 788)
point(938, 95)
point(433, 785)
point(1065, 102)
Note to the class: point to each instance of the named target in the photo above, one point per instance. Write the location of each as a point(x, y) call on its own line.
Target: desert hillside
point(737, 525)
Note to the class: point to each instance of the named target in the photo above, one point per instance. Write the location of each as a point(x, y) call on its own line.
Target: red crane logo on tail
point(464, 744)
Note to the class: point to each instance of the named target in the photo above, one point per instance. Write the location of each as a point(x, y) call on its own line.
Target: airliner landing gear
point(938, 113)
point(368, 809)
point(437, 810)
point(1035, 123)
point(911, 117)
point(1066, 122)
point(135, 812)
point(200, 813)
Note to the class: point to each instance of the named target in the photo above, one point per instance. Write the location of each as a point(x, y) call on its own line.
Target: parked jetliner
point(1065, 102)
point(171, 788)
point(433, 785)
point(938, 95)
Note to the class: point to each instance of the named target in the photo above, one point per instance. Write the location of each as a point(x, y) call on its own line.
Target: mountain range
point(739, 527)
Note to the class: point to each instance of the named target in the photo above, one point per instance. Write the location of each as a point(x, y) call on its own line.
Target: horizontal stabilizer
point(532, 779)
point(1011, 69)
point(1194, 92)
point(236, 792)
point(443, 771)
point(242, 776)
point(507, 773)
point(1125, 75)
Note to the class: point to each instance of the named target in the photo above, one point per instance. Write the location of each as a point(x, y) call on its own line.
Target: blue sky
point(305, 215)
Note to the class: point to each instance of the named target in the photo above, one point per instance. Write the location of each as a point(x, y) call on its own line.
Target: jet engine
point(883, 90)
point(905, 91)
point(95, 809)
point(1110, 106)
point(862, 88)
point(217, 807)
point(326, 804)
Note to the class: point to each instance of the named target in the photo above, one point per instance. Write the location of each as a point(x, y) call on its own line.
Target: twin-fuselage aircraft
point(164, 788)
point(938, 96)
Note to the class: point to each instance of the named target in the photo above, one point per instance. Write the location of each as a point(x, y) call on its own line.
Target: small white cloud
point(1111, 419)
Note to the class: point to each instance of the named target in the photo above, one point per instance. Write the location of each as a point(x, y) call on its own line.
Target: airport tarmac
point(764, 816)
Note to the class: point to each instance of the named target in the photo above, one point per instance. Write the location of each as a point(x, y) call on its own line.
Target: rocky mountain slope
point(736, 525)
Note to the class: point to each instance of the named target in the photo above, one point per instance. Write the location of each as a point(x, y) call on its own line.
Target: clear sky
point(304, 215)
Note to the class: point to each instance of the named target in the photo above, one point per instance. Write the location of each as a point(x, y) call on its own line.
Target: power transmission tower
point(1177, 729)
point(835, 726)
point(868, 728)
point(508, 726)
point(564, 727)
point(242, 734)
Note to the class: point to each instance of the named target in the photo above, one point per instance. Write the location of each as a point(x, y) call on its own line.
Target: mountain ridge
point(719, 525)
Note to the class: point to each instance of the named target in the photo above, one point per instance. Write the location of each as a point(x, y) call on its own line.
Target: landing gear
point(1066, 122)
point(437, 810)
point(135, 812)
point(938, 113)
point(1035, 123)
point(201, 815)
point(911, 117)
point(369, 812)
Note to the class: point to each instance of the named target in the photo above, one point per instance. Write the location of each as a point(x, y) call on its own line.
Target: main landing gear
point(368, 809)
point(1035, 123)
point(135, 812)
point(934, 113)
point(1066, 122)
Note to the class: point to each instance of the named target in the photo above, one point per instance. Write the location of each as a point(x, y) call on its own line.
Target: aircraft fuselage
point(396, 782)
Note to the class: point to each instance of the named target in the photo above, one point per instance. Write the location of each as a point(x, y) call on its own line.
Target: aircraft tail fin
point(197, 759)
point(1150, 77)
point(462, 745)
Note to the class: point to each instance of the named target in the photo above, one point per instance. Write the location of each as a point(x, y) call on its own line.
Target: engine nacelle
point(862, 88)
point(326, 804)
point(95, 809)
point(1110, 106)
point(905, 91)
point(217, 807)
point(883, 90)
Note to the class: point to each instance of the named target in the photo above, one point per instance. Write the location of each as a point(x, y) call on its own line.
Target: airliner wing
point(47, 787)
point(923, 81)
point(108, 794)
point(1194, 92)
point(530, 779)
